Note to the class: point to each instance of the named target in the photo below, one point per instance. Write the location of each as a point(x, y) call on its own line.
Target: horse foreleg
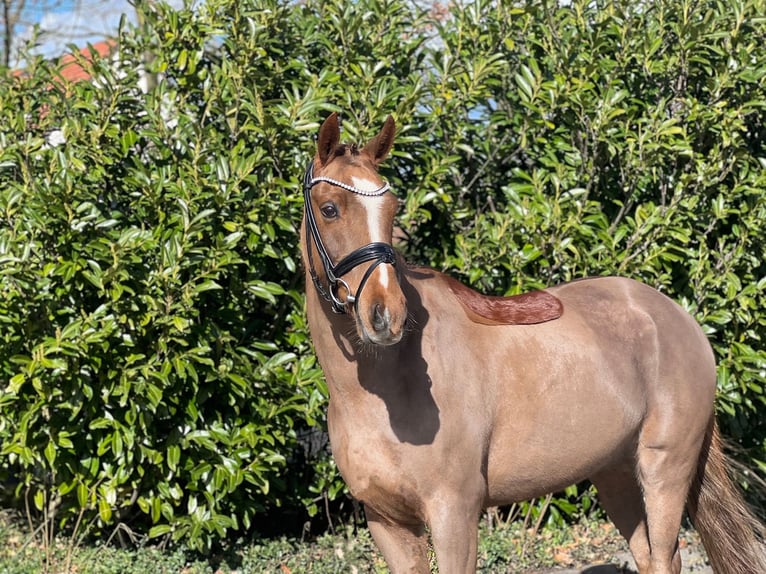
point(455, 535)
point(404, 547)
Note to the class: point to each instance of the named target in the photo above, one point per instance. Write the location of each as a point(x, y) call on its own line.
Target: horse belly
point(555, 441)
point(519, 474)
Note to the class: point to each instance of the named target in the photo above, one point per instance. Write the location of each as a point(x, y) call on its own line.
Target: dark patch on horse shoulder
point(524, 309)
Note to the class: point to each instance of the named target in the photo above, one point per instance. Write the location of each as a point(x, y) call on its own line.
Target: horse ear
point(329, 137)
point(380, 145)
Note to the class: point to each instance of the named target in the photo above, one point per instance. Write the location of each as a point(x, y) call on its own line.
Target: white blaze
point(374, 207)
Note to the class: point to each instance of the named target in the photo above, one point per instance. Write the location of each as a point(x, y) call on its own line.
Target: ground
point(588, 547)
point(616, 559)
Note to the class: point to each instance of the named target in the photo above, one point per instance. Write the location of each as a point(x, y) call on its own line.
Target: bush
point(155, 359)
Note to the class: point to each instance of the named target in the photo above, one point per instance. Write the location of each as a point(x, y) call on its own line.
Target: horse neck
point(343, 361)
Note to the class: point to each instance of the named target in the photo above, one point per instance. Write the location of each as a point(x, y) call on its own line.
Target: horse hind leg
point(620, 495)
point(646, 503)
point(664, 501)
point(665, 471)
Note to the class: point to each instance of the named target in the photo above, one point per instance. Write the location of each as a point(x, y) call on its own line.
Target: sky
point(70, 21)
point(63, 22)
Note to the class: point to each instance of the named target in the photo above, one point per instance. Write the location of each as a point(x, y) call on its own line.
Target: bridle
point(376, 252)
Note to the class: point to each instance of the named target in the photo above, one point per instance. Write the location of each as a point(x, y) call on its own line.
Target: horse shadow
point(608, 569)
point(399, 376)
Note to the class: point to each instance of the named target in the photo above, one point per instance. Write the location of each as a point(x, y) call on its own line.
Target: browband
point(380, 191)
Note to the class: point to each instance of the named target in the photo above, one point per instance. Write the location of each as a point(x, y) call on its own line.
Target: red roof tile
point(72, 71)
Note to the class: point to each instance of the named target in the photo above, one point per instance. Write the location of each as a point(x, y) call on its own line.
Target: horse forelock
point(346, 150)
point(348, 161)
point(352, 154)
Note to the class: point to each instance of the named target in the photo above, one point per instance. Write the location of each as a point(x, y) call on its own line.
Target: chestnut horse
point(444, 401)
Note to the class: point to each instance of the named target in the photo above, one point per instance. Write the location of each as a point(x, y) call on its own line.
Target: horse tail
point(731, 534)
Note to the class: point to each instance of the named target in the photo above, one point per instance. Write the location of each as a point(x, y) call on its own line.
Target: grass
point(502, 548)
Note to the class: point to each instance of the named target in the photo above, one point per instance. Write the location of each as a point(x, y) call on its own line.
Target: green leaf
point(39, 500)
point(159, 530)
point(82, 495)
point(50, 453)
point(104, 510)
point(173, 456)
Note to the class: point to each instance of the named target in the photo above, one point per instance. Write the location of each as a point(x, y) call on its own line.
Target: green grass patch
point(503, 547)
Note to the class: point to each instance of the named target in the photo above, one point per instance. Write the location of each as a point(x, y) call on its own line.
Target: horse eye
point(329, 210)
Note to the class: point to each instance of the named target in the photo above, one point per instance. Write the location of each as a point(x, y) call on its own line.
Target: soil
point(619, 561)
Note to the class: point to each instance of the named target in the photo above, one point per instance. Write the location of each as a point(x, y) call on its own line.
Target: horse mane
point(523, 309)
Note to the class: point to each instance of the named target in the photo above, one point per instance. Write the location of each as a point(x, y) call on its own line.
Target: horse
point(444, 401)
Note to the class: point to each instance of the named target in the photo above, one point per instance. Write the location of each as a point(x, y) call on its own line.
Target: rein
point(377, 252)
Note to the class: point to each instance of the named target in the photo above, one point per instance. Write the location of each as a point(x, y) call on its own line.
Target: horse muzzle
point(382, 326)
point(381, 312)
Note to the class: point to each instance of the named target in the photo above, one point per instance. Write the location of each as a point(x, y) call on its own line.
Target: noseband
point(377, 252)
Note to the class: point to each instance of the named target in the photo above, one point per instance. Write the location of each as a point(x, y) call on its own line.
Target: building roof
point(70, 68)
point(72, 71)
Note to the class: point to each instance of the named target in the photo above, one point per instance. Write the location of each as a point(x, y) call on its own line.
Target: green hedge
point(155, 364)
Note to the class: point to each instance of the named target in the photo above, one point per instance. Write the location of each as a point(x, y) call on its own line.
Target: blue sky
point(71, 21)
point(63, 22)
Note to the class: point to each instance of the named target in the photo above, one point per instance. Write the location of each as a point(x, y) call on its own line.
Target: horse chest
point(379, 470)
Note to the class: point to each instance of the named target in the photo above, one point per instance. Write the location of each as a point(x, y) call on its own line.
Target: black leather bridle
point(376, 252)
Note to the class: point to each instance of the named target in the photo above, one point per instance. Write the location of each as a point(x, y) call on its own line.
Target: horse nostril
point(379, 318)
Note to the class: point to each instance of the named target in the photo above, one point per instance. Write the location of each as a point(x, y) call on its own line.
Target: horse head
point(348, 228)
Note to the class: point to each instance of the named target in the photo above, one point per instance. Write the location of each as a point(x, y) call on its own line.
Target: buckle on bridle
point(339, 306)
